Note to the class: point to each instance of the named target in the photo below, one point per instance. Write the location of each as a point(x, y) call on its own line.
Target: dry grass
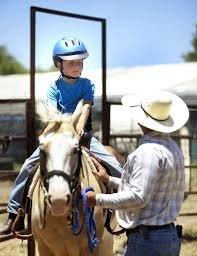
point(189, 247)
point(5, 187)
point(13, 247)
point(190, 204)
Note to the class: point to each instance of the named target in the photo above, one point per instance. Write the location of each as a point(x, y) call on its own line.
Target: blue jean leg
point(163, 242)
point(16, 195)
point(97, 148)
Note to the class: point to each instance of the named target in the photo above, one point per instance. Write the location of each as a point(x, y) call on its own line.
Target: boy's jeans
point(17, 191)
point(161, 242)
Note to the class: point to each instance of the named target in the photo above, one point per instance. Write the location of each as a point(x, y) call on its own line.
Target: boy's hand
point(80, 129)
point(101, 171)
point(91, 199)
point(83, 117)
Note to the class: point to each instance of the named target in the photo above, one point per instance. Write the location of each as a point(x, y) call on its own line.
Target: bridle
point(71, 179)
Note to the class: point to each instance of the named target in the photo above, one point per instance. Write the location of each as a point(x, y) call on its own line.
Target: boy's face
point(72, 67)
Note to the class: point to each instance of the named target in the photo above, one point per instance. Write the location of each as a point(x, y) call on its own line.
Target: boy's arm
point(51, 99)
point(84, 117)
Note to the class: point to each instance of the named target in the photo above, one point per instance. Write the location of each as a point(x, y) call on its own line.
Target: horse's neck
point(87, 178)
point(34, 182)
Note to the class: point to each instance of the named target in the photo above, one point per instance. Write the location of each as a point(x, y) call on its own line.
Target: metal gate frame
point(31, 102)
point(102, 21)
point(32, 121)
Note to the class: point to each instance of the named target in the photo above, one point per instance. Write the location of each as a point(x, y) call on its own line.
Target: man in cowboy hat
point(151, 189)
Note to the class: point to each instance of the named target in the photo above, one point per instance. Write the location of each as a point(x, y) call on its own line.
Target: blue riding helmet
point(69, 48)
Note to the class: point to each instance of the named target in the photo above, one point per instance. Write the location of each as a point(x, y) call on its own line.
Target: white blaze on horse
point(55, 199)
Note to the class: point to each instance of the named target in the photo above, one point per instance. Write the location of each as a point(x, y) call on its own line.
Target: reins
point(19, 235)
point(75, 218)
point(108, 226)
point(71, 179)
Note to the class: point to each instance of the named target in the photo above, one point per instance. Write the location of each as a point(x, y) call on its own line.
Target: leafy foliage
point(192, 55)
point(8, 64)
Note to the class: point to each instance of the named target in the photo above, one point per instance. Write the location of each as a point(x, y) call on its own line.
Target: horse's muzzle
point(59, 206)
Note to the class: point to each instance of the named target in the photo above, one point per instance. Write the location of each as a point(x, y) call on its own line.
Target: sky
point(139, 32)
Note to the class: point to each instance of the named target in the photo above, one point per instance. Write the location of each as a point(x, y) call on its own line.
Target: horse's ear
point(47, 112)
point(42, 112)
point(76, 114)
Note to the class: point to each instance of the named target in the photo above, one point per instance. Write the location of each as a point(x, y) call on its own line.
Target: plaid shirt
point(151, 188)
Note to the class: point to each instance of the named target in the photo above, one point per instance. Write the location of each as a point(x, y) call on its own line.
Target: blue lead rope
point(89, 220)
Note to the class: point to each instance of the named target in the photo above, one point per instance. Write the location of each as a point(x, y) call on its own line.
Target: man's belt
point(142, 228)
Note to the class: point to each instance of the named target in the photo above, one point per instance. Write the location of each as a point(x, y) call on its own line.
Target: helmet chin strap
point(69, 77)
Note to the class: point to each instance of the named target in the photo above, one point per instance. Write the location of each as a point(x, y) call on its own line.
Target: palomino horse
point(54, 199)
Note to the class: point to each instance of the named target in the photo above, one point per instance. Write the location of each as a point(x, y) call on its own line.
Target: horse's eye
point(42, 152)
point(76, 150)
point(41, 146)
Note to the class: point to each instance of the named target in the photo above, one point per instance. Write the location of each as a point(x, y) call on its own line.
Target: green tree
point(192, 55)
point(8, 64)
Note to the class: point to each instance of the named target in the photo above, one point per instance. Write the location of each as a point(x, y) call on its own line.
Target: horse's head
point(59, 163)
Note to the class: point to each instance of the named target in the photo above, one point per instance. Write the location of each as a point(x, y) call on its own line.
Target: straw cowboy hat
point(159, 111)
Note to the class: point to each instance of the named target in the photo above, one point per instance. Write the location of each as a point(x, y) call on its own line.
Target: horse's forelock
point(51, 126)
point(61, 125)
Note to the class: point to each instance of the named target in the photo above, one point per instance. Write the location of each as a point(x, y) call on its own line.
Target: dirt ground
point(13, 247)
point(5, 187)
point(16, 247)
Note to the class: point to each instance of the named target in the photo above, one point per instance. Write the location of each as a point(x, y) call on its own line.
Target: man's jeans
point(161, 242)
point(17, 191)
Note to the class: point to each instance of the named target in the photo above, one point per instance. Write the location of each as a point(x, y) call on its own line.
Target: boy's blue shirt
point(65, 97)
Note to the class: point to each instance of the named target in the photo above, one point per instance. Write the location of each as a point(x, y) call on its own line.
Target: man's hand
point(91, 199)
point(101, 171)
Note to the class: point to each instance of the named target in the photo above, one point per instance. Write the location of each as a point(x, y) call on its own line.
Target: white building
point(178, 78)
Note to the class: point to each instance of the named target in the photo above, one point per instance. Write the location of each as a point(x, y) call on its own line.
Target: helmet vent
point(69, 48)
